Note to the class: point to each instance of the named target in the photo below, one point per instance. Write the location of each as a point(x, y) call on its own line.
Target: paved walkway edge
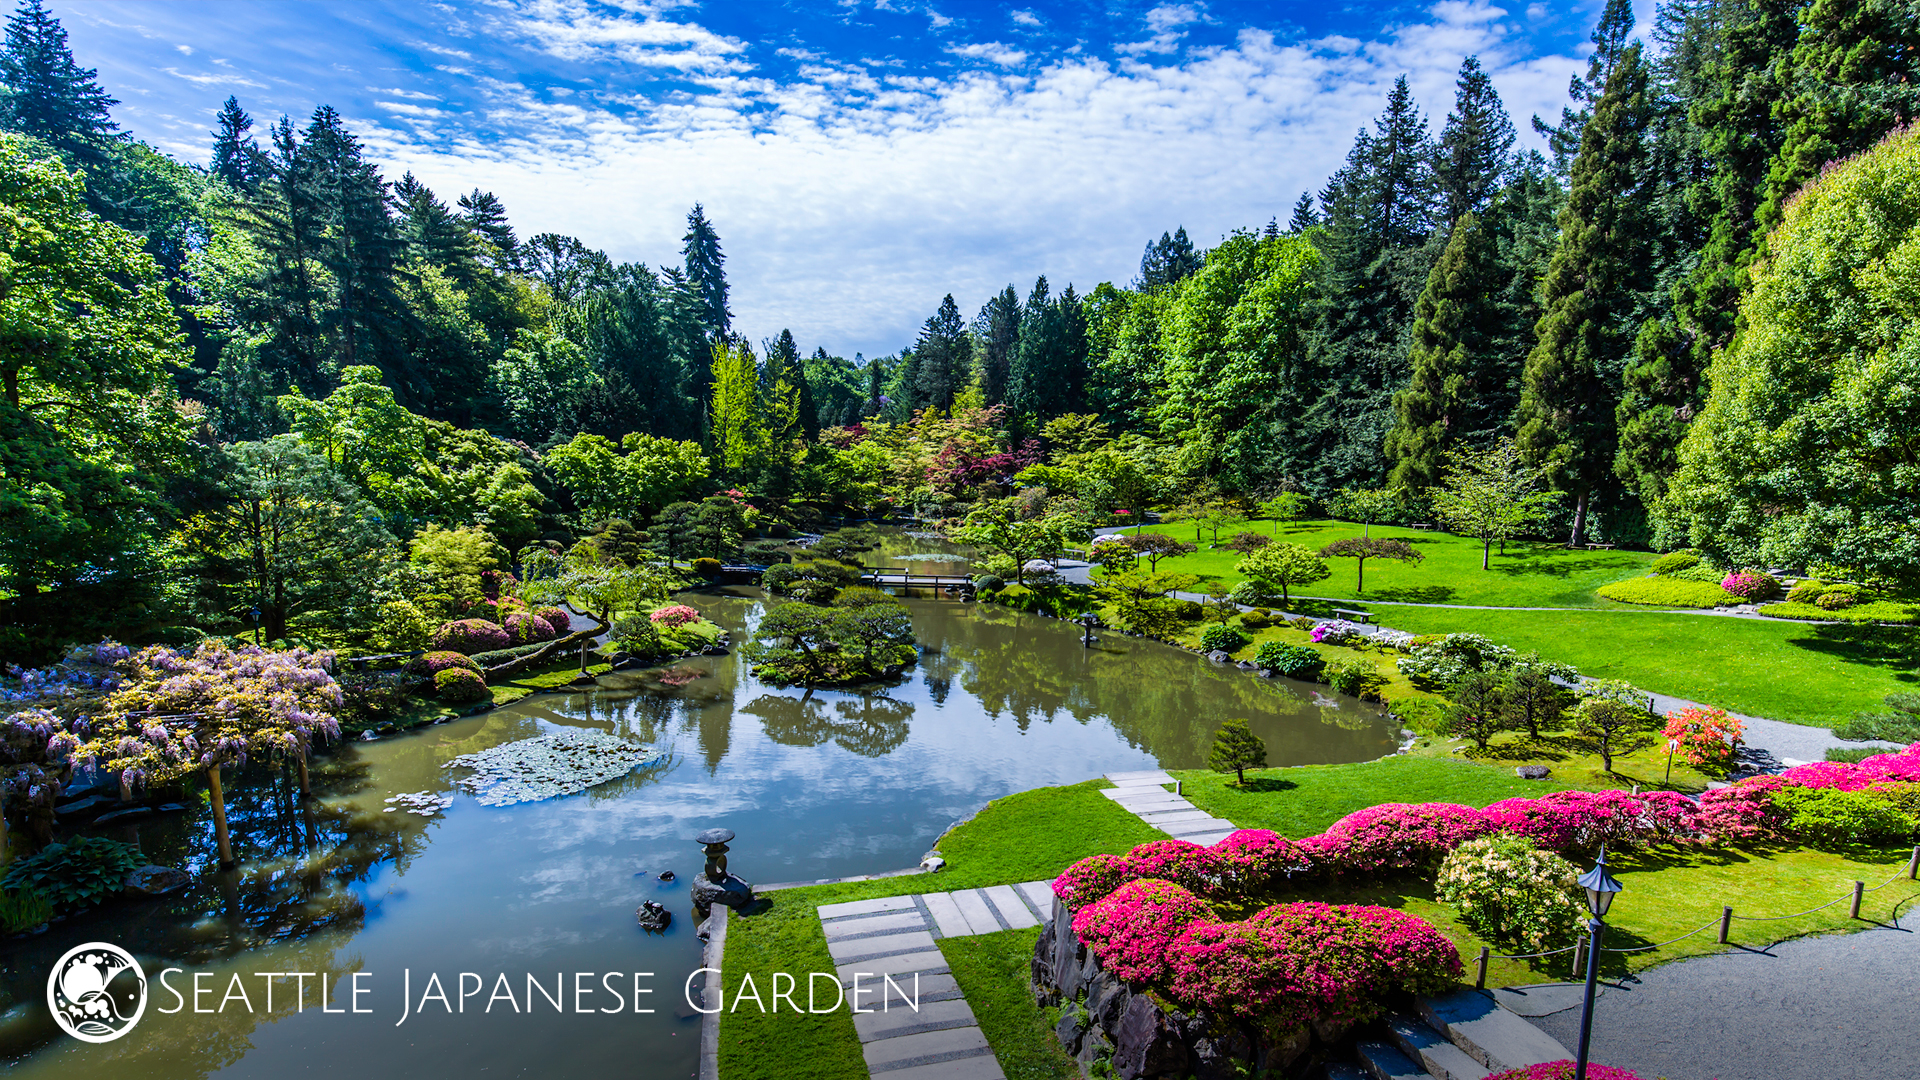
point(715, 992)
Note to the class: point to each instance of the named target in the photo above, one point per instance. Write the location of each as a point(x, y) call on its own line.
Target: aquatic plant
point(77, 874)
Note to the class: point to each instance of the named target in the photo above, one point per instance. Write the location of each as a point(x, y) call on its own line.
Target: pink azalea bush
point(1743, 812)
point(558, 618)
point(434, 663)
point(470, 636)
point(1092, 878)
point(1899, 765)
point(1704, 736)
point(1182, 862)
point(1751, 585)
point(1583, 820)
point(1131, 930)
point(527, 629)
point(1563, 1070)
point(1253, 859)
point(1396, 836)
point(675, 615)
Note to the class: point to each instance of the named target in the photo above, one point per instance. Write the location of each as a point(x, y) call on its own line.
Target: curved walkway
point(1837, 1007)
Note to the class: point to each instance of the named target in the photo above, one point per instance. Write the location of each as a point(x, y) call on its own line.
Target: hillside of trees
point(255, 389)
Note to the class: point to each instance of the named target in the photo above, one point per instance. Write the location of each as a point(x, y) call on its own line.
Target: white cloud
point(850, 202)
point(992, 52)
point(573, 30)
point(184, 50)
point(1024, 18)
point(410, 95)
point(215, 80)
point(939, 21)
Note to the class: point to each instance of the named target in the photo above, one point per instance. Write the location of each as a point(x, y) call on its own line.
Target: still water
point(816, 784)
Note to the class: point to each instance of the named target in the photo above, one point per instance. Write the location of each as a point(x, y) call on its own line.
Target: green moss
point(992, 970)
point(1668, 592)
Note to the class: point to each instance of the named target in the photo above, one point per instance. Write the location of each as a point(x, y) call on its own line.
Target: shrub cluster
point(1668, 592)
point(1508, 890)
point(558, 618)
point(1257, 619)
point(434, 663)
point(1292, 661)
point(459, 686)
point(470, 636)
point(1564, 1070)
point(528, 629)
point(1222, 638)
point(1674, 562)
point(674, 615)
point(1831, 817)
point(1751, 585)
point(1900, 765)
point(76, 874)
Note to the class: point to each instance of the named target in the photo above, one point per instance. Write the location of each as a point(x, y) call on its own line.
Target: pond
point(816, 785)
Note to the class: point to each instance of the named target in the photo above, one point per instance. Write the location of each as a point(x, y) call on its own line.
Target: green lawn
point(1781, 670)
point(993, 970)
point(1303, 801)
point(1529, 575)
point(1023, 837)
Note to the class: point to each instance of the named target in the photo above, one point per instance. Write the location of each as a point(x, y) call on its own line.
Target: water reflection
point(817, 784)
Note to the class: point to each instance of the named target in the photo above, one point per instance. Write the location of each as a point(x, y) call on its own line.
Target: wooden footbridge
point(900, 577)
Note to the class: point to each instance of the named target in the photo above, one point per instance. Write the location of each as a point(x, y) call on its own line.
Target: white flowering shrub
point(1509, 891)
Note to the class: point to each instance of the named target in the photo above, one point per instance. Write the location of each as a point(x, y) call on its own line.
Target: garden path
point(892, 939)
point(1822, 1008)
point(1144, 795)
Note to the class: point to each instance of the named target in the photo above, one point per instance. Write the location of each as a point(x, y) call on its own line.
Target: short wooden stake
point(1480, 980)
point(1636, 789)
point(1913, 864)
point(1859, 891)
point(1580, 958)
point(1726, 923)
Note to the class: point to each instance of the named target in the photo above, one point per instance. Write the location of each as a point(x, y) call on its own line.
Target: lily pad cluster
point(564, 763)
point(423, 803)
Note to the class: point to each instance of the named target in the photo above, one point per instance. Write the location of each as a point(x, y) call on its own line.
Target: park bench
point(1353, 615)
point(1599, 547)
point(1421, 525)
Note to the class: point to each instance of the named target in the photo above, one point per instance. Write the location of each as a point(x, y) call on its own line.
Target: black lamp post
point(1601, 888)
point(256, 627)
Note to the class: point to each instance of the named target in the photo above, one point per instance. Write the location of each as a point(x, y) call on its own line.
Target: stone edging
point(714, 991)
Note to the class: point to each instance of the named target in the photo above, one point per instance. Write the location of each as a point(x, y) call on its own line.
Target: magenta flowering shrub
point(1563, 1070)
point(471, 636)
point(1583, 820)
point(1899, 765)
point(434, 663)
point(527, 629)
point(1254, 859)
point(1397, 835)
point(1182, 862)
point(558, 618)
point(1131, 929)
point(1092, 878)
point(1751, 585)
point(675, 615)
point(1741, 813)
point(1294, 963)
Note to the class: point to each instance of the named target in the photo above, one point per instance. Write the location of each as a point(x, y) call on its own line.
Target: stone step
point(1384, 1061)
point(875, 924)
point(1141, 776)
point(983, 1067)
point(1489, 1034)
point(1208, 839)
point(1150, 804)
point(924, 1048)
point(899, 1020)
point(1340, 1070)
point(1184, 829)
point(866, 907)
point(1162, 818)
point(1435, 1054)
point(1013, 910)
point(917, 941)
point(1040, 895)
point(901, 967)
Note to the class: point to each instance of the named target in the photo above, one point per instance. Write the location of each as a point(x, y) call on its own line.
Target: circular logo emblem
point(97, 992)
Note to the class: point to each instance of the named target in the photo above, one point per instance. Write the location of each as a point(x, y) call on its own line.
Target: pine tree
point(433, 234)
point(49, 97)
point(1610, 37)
point(1236, 749)
point(1049, 364)
point(1303, 217)
point(1168, 260)
point(783, 366)
point(706, 272)
point(237, 159)
point(1455, 331)
point(1594, 287)
point(942, 351)
point(996, 335)
point(486, 217)
point(360, 248)
point(1474, 144)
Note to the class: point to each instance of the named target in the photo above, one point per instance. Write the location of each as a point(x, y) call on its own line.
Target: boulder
point(1532, 772)
point(932, 863)
point(729, 891)
point(157, 880)
point(1220, 656)
point(1146, 1044)
point(653, 916)
point(1070, 1030)
point(1107, 999)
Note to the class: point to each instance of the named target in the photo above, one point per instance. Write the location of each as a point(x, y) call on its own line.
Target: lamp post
point(1601, 888)
point(256, 626)
point(1089, 620)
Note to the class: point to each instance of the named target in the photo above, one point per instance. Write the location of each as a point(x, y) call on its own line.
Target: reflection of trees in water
point(871, 725)
point(1166, 701)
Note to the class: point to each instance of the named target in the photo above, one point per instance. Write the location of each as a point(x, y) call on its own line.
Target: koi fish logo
point(97, 992)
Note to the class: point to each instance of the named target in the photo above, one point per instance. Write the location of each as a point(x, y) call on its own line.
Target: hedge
point(1668, 592)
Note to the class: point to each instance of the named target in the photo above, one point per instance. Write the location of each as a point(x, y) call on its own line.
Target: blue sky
point(861, 158)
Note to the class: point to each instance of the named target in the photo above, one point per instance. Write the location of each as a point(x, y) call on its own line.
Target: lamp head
point(1601, 887)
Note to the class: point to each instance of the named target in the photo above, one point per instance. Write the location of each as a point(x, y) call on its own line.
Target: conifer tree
point(486, 217)
point(1049, 366)
point(433, 234)
point(943, 350)
point(996, 334)
point(1303, 216)
point(1610, 38)
point(783, 366)
point(48, 97)
point(361, 252)
point(706, 272)
point(1474, 145)
point(1593, 292)
point(237, 159)
point(1168, 260)
point(1236, 749)
point(1455, 331)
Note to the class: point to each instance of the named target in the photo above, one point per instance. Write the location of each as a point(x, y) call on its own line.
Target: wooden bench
point(1599, 547)
point(1420, 525)
point(1355, 616)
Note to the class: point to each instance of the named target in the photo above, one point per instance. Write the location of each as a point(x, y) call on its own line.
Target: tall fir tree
point(996, 336)
point(942, 351)
point(433, 234)
point(237, 158)
point(1049, 366)
point(49, 97)
point(1303, 217)
point(486, 217)
point(1456, 329)
point(706, 272)
point(783, 366)
point(1168, 259)
point(1474, 145)
point(1595, 291)
point(1610, 38)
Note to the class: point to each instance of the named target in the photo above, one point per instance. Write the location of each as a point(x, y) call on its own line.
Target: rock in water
point(155, 880)
point(564, 763)
point(729, 891)
point(653, 916)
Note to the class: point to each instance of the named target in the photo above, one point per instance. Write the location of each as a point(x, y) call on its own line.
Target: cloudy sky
point(861, 158)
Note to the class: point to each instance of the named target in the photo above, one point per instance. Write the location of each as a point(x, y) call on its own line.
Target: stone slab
point(1491, 1035)
point(875, 924)
point(876, 992)
point(1208, 839)
point(843, 951)
point(1185, 829)
point(984, 1067)
point(946, 915)
point(1157, 776)
point(1158, 818)
point(974, 907)
point(1384, 1061)
point(955, 1041)
point(1011, 909)
point(934, 962)
point(1040, 895)
point(865, 907)
point(1145, 804)
point(929, 1016)
point(1440, 1058)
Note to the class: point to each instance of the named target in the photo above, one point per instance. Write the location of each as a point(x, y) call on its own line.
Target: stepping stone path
point(890, 945)
point(1145, 794)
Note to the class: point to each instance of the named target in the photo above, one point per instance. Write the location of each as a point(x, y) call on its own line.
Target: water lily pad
point(565, 763)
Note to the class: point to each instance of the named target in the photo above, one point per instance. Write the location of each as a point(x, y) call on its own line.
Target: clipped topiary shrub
point(1509, 891)
point(706, 568)
point(1839, 596)
point(1292, 661)
point(1751, 585)
point(1189, 610)
point(471, 636)
point(1806, 591)
point(1668, 592)
point(434, 663)
point(458, 686)
point(1257, 619)
point(525, 629)
point(558, 618)
point(1222, 638)
point(1674, 562)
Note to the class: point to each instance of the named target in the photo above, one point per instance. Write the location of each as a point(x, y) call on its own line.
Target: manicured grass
point(1023, 837)
point(1304, 800)
point(1780, 670)
point(1638, 758)
point(1876, 611)
point(1529, 574)
point(1669, 592)
point(992, 970)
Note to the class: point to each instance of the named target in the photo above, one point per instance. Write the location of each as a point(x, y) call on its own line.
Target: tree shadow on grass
point(1892, 648)
point(1552, 560)
point(1415, 594)
point(1260, 785)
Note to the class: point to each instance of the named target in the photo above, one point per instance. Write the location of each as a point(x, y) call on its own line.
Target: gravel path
point(1837, 1007)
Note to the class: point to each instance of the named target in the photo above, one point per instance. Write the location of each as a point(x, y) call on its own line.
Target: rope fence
point(1725, 922)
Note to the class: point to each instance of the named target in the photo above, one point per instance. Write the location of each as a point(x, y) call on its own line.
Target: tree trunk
point(219, 816)
point(1360, 576)
point(306, 789)
point(1486, 553)
point(556, 647)
point(1579, 521)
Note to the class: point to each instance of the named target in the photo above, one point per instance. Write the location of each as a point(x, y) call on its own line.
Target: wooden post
point(1480, 968)
point(1859, 892)
point(1580, 957)
point(1913, 864)
point(219, 816)
point(1726, 923)
point(306, 789)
